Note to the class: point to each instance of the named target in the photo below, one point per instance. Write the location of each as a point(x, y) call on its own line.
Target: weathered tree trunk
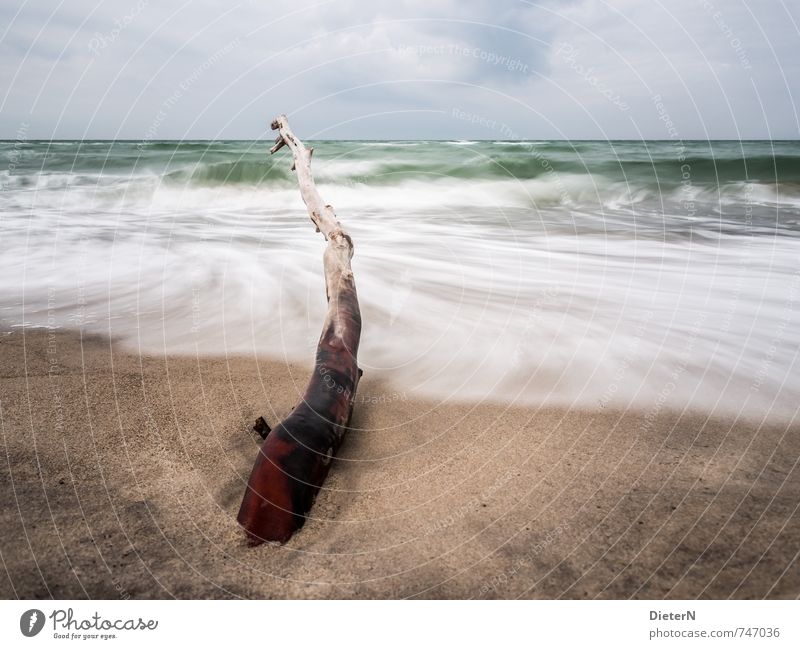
point(296, 455)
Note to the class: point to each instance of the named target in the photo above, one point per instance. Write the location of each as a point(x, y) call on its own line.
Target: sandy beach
point(122, 475)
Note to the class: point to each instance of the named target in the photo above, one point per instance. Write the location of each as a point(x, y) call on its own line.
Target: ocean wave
point(248, 187)
point(584, 273)
point(653, 165)
point(229, 173)
point(614, 188)
point(389, 144)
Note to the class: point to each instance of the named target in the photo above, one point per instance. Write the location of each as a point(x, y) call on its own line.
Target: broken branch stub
point(296, 455)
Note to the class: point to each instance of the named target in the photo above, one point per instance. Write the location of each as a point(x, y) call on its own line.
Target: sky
point(400, 69)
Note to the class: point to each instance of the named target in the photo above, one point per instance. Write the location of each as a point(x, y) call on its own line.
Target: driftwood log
point(296, 455)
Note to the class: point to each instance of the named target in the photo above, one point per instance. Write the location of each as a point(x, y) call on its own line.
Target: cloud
point(582, 69)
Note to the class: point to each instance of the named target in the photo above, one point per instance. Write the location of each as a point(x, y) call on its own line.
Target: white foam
point(449, 309)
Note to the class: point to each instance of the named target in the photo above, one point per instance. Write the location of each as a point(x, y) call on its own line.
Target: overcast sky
point(398, 69)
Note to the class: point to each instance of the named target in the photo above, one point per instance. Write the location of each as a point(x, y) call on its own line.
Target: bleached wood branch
point(296, 455)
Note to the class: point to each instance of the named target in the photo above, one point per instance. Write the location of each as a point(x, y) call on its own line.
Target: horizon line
point(312, 139)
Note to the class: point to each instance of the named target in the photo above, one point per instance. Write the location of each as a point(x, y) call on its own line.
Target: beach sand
point(122, 476)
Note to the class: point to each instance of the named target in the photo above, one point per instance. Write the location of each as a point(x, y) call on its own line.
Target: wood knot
point(341, 237)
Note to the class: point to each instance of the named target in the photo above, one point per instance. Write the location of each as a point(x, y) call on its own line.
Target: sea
point(647, 275)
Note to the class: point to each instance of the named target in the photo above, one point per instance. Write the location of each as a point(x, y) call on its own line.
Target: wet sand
point(122, 475)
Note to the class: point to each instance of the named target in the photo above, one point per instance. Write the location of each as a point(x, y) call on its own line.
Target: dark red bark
point(295, 458)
